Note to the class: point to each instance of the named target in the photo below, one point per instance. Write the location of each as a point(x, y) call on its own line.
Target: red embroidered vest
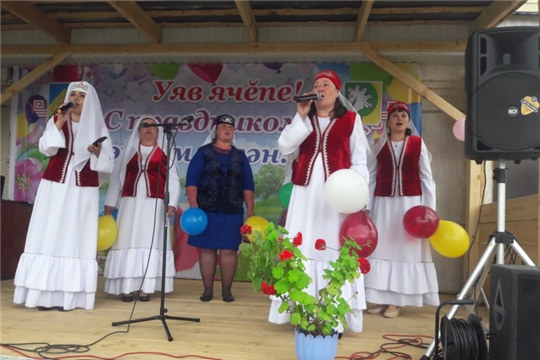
point(135, 169)
point(336, 138)
point(405, 170)
point(58, 164)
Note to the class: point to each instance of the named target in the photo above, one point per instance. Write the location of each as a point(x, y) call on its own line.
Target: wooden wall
point(521, 221)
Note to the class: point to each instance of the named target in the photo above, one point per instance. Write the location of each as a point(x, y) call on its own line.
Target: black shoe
point(228, 298)
point(206, 297)
point(43, 308)
point(144, 298)
point(339, 335)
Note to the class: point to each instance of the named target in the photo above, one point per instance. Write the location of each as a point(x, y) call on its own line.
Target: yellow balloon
point(257, 223)
point(107, 232)
point(23, 127)
point(450, 239)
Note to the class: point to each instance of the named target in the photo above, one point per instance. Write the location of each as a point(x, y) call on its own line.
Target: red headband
point(330, 75)
point(398, 105)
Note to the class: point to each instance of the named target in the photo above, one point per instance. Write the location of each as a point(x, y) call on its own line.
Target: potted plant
point(276, 267)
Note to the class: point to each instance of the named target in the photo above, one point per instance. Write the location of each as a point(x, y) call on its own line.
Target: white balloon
point(346, 191)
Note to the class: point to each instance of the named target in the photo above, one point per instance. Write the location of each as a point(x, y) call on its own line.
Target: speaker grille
point(496, 128)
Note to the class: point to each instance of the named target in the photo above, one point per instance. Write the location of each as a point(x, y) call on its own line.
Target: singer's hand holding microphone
point(304, 103)
point(64, 108)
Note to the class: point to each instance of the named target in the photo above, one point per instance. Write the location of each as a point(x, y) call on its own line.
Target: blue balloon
point(193, 221)
point(114, 214)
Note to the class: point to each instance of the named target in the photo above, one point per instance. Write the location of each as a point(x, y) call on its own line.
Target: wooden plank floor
point(231, 331)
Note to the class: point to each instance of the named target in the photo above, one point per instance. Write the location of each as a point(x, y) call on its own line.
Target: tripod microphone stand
point(495, 248)
point(162, 310)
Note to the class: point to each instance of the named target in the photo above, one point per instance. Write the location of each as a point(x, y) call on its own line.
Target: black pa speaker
point(502, 82)
point(514, 320)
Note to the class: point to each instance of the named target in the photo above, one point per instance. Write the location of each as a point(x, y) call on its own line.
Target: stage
point(231, 331)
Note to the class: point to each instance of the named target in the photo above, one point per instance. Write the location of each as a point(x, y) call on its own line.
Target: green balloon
point(284, 194)
point(164, 71)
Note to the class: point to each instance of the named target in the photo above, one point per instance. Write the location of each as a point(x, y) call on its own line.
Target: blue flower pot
point(309, 347)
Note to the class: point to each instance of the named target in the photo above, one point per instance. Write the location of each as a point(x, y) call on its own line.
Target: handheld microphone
point(302, 98)
point(65, 108)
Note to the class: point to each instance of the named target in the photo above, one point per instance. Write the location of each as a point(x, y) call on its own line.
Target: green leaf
point(278, 272)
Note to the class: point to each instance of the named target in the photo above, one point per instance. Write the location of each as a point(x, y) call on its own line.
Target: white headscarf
point(91, 127)
point(132, 146)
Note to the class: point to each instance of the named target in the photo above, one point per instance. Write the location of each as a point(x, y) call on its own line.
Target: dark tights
point(207, 264)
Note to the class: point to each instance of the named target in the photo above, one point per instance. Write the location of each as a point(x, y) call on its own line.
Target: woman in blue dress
point(219, 181)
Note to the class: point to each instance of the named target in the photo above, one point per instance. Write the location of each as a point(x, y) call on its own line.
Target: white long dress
point(140, 238)
point(310, 214)
point(402, 270)
point(58, 266)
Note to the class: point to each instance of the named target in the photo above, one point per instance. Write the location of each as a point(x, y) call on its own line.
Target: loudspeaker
point(514, 320)
point(502, 82)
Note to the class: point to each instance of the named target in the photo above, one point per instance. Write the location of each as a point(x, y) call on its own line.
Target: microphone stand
point(162, 310)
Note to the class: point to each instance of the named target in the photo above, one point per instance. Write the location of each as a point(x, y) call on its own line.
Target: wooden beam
point(414, 84)
point(138, 18)
point(28, 12)
point(248, 48)
point(83, 15)
point(32, 76)
point(244, 8)
point(363, 16)
point(420, 46)
point(216, 24)
point(495, 14)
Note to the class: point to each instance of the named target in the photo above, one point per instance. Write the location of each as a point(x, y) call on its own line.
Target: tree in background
point(268, 180)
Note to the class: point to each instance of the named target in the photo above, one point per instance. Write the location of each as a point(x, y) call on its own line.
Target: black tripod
point(495, 246)
point(162, 310)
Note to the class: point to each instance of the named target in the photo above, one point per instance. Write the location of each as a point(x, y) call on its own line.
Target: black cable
point(59, 349)
point(461, 341)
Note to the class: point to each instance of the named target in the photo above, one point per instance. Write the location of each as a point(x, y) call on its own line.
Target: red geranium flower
point(364, 265)
point(268, 289)
point(320, 244)
point(245, 229)
point(297, 241)
point(285, 254)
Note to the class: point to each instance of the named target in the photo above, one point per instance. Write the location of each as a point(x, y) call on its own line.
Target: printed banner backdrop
point(259, 96)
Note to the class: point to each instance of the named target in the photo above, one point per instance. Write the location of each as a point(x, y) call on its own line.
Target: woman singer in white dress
point(343, 145)
point(58, 268)
point(137, 190)
point(402, 271)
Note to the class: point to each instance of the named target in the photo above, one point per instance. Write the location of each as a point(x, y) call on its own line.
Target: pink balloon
point(421, 221)
point(361, 229)
point(459, 129)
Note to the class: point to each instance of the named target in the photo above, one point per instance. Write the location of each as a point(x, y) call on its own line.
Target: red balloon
point(421, 221)
point(67, 73)
point(361, 229)
point(207, 72)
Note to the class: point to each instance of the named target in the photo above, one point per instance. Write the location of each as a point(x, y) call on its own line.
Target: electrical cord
point(45, 348)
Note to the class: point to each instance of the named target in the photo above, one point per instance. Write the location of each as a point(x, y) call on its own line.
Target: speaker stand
point(495, 247)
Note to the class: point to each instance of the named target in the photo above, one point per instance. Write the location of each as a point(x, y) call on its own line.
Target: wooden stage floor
point(228, 331)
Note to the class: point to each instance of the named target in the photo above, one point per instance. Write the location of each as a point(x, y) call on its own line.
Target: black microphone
point(65, 108)
point(302, 98)
point(185, 121)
